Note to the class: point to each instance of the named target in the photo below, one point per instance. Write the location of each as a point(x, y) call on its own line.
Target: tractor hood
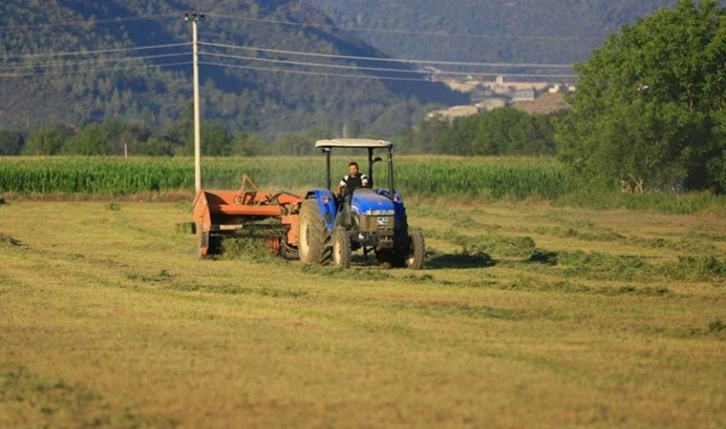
point(367, 202)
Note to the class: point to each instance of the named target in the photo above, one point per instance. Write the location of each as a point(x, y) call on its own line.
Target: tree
point(91, 140)
point(124, 135)
point(648, 112)
point(292, 144)
point(215, 140)
point(425, 137)
point(503, 131)
point(152, 147)
point(11, 142)
point(354, 129)
point(48, 140)
point(246, 145)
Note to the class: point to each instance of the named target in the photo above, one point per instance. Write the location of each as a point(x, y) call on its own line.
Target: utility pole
point(195, 18)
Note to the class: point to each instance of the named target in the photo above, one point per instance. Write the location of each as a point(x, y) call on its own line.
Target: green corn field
point(517, 178)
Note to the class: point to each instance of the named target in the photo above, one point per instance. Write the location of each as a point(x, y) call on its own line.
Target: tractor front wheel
point(416, 251)
point(314, 242)
point(341, 249)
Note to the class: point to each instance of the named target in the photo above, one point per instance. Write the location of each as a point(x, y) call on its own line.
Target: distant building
point(453, 113)
point(490, 104)
point(558, 88)
point(466, 86)
point(524, 95)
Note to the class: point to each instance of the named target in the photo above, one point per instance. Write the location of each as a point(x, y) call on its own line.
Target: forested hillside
point(531, 31)
point(73, 62)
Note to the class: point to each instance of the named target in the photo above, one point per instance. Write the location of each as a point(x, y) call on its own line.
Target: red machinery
point(247, 212)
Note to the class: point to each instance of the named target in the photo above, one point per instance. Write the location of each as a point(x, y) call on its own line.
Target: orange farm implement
point(247, 212)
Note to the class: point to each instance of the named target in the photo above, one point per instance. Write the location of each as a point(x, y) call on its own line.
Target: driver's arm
point(339, 188)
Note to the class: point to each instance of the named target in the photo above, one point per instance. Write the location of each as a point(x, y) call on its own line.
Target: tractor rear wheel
point(416, 251)
point(341, 249)
point(314, 242)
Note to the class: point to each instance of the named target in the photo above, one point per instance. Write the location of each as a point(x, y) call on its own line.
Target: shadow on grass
point(439, 261)
point(544, 257)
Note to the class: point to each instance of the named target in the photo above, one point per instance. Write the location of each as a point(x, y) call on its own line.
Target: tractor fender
point(327, 205)
point(401, 220)
point(397, 198)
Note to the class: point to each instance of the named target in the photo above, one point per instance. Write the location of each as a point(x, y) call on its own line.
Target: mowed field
point(527, 316)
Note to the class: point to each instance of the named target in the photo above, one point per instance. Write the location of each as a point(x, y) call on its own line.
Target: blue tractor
point(371, 219)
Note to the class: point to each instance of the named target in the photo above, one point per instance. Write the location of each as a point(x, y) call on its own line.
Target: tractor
point(371, 219)
point(319, 227)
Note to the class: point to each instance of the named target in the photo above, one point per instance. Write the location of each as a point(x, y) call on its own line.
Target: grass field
point(527, 316)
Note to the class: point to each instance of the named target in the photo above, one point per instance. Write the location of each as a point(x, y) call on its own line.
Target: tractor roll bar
point(390, 171)
point(327, 167)
point(371, 145)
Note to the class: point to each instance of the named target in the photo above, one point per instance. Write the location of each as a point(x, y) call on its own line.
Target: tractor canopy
point(353, 143)
point(370, 145)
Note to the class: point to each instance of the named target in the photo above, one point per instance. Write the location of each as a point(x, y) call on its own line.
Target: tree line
point(504, 131)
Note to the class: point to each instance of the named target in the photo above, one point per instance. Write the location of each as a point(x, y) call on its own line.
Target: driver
point(352, 181)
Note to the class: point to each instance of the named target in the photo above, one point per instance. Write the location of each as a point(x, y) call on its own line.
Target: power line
point(92, 21)
point(220, 55)
point(303, 63)
point(89, 71)
point(313, 73)
point(98, 51)
point(96, 61)
point(412, 32)
point(417, 62)
point(359, 76)
point(394, 60)
point(347, 67)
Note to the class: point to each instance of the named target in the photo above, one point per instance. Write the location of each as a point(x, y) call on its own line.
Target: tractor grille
point(375, 223)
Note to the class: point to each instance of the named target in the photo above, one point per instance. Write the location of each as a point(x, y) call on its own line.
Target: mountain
point(488, 31)
point(65, 61)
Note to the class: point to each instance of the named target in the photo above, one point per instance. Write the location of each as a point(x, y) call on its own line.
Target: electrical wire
point(98, 51)
point(358, 76)
point(380, 69)
point(93, 21)
point(302, 63)
point(96, 61)
point(71, 72)
point(417, 62)
point(395, 60)
point(312, 73)
point(412, 32)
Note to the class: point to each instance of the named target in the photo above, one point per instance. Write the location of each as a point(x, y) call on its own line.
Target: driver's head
point(353, 169)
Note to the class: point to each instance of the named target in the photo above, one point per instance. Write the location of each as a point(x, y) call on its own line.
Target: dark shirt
point(352, 183)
